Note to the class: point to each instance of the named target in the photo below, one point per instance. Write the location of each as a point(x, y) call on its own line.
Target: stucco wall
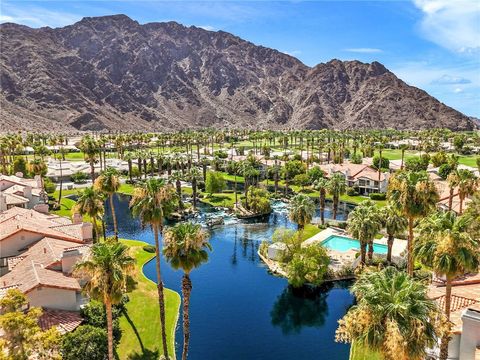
point(11, 245)
point(53, 298)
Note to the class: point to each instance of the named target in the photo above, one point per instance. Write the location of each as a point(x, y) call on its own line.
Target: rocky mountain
point(113, 73)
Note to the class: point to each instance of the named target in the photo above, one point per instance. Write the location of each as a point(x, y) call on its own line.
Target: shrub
point(439, 158)
point(20, 165)
point(87, 342)
point(301, 180)
point(351, 191)
point(314, 174)
point(79, 177)
point(220, 154)
point(149, 248)
point(356, 159)
point(378, 196)
point(308, 265)
point(49, 186)
point(94, 314)
point(417, 163)
point(444, 170)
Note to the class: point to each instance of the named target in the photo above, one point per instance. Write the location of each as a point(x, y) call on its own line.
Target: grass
point(358, 352)
point(309, 231)
point(469, 160)
point(65, 207)
point(220, 199)
point(140, 323)
point(231, 178)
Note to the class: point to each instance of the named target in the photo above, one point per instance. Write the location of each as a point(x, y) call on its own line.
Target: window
point(362, 182)
point(376, 183)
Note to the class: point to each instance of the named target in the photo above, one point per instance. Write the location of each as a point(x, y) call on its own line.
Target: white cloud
point(364, 50)
point(207, 27)
point(35, 16)
point(457, 90)
point(453, 24)
point(451, 80)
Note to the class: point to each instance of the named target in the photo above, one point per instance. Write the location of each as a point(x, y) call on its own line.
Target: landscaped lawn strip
point(141, 323)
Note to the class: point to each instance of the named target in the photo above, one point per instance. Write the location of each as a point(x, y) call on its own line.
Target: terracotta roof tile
point(65, 321)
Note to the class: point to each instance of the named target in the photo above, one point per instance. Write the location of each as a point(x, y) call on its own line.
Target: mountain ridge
point(113, 73)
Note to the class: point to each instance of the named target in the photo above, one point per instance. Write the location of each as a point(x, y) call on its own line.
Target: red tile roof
point(65, 321)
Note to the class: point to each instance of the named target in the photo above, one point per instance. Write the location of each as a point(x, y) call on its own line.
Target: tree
point(21, 334)
point(336, 187)
point(109, 183)
point(90, 203)
point(87, 342)
point(363, 223)
point(414, 195)
point(393, 316)
point(108, 272)
point(91, 151)
point(194, 176)
point(467, 185)
point(446, 246)
point(380, 163)
point(178, 177)
point(322, 186)
point(473, 214)
point(395, 224)
point(20, 165)
point(416, 163)
point(151, 202)
point(215, 182)
point(185, 247)
point(302, 209)
point(308, 266)
point(302, 180)
point(38, 167)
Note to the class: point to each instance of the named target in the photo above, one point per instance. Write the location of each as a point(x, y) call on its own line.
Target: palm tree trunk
point(363, 252)
point(186, 290)
point(161, 299)
point(108, 308)
point(335, 206)
point(461, 204)
point(390, 240)
point(95, 229)
point(114, 217)
point(92, 171)
point(410, 247)
point(446, 338)
point(322, 207)
point(403, 155)
point(450, 199)
point(370, 249)
point(194, 194)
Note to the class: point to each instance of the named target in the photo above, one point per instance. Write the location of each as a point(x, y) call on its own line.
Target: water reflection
point(296, 308)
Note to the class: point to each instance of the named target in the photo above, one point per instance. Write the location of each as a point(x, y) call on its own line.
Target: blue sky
point(431, 44)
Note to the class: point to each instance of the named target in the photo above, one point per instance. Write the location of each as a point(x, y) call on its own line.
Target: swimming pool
point(341, 243)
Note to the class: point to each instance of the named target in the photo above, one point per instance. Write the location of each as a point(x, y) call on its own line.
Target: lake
point(238, 310)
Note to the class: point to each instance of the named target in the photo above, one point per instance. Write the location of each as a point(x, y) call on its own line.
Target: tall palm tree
point(193, 176)
point(108, 272)
point(447, 247)
point(363, 223)
point(395, 224)
point(302, 209)
point(178, 177)
point(185, 247)
point(415, 196)
point(393, 315)
point(322, 186)
point(336, 187)
point(452, 181)
point(151, 202)
point(467, 185)
point(108, 183)
point(90, 203)
point(91, 151)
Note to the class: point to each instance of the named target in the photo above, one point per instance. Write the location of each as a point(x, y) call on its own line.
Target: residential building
point(38, 252)
point(359, 176)
point(15, 190)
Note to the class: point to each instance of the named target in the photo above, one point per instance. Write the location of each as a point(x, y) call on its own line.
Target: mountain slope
point(113, 73)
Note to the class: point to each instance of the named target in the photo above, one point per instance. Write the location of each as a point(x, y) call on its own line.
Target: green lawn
point(309, 231)
point(228, 177)
point(65, 207)
point(469, 160)
point(220, 199)
point(141, 323)
point(358, 352)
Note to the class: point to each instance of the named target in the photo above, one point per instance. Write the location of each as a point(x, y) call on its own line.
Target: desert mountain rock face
point(113, 73)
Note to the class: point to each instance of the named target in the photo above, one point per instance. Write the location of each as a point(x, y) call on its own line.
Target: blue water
point(341, 243)
point(238, 310)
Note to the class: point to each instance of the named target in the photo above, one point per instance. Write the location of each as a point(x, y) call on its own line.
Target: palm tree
point(447, 247)
point(394, 224)
point(452, 181)
point(109, 183)
point(302, 209)
point(107, 270)
point(151, 202)
point(393, 316)
point(178, 177)
point(193, 176)
point(415, 196)
point(90, 203)
point(467, 185)
point(336, 187)
point(363, 223)
point(322, 185)
point(91, 151)
point(185, 247)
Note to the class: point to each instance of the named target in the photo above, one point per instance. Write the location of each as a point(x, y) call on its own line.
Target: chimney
point(41, 208)
point(77, 218)
point(19, 174)
point(3, 202)
point(38, 179)
point(27, 192)
point(44, 250)
point(87, 231)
